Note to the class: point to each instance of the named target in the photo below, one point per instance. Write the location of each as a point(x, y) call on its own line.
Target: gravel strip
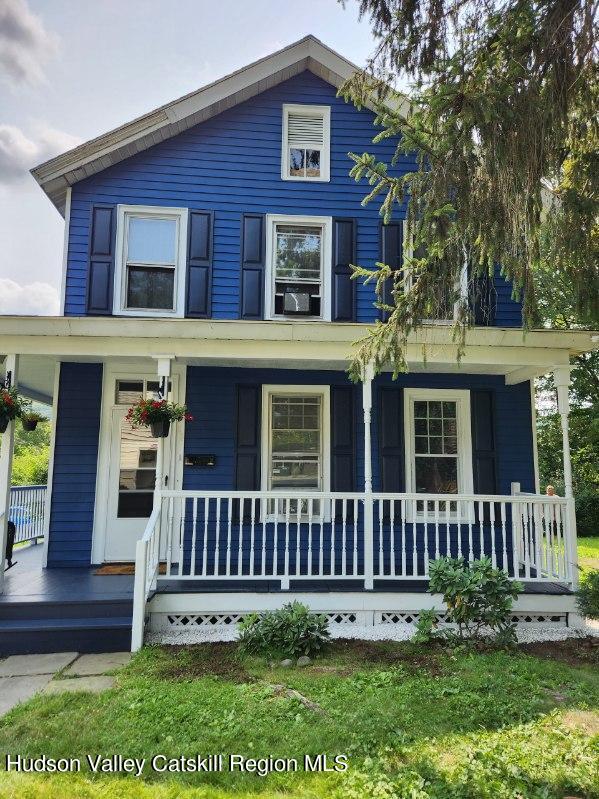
point(527, 633)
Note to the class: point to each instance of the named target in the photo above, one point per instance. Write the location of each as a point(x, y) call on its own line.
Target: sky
point(73, 69)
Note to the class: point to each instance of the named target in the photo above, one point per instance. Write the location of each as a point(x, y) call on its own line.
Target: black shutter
point(247, 460)
point(343, 439)
point(483, 442)
point(344, 254)
point(199, 265)
point(100, 273)
point(392, 256)
point(391, 439)
point(252, 266)
point(484, 300)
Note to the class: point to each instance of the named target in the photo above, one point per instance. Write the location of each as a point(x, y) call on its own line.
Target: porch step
point(91, 626)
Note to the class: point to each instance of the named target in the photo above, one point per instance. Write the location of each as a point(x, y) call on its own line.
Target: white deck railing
point(27, 508)
point(356, 537)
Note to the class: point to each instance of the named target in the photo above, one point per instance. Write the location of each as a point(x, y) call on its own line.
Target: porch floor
point(29, 582)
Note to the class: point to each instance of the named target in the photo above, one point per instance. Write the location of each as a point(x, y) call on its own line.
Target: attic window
point(306, 142)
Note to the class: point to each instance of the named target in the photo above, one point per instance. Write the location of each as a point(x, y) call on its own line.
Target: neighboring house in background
point(207, 252)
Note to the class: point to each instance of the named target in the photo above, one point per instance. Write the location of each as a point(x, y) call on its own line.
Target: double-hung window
point(438, 441)
point(443, 307)
point(150, 267)
point(306, 142)
point(298, 249)
point(295, 443)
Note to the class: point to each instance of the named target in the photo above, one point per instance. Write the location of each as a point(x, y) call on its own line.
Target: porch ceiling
point(305, 345)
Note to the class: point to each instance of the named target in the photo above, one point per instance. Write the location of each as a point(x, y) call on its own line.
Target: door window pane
point(150, 287)
point(137, 471)
point(152, 241)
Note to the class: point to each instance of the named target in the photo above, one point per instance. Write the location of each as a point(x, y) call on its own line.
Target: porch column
point(561, 377)
point(11, 370)
point(163, 368)
point(368, 501)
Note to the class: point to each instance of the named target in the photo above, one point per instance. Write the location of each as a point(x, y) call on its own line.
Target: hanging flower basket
point(157, 415)
point(11, 407)
point(160, 429)
point(30, 420)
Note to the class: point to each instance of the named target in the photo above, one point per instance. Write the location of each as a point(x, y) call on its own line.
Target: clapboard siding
point(75, 464)
point(211, 400)
point(231, 164)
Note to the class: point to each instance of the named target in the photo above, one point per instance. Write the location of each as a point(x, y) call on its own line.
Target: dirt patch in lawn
point(356, 654)
point(573, 651)
point(585, 720)
point(204, 660)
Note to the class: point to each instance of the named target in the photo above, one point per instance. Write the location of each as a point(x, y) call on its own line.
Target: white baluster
point(252, 534)
point(381, 511)
point(492, 525)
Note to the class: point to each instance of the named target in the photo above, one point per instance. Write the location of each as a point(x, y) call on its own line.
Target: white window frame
point(294, 390)
point(326, 222)
point(180, 215)
point(464, 436)
point(407, 278)
point(325, 155)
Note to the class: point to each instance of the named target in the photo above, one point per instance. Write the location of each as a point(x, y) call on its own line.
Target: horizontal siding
point(231, 164)
point(211, 400)
point(75, 464)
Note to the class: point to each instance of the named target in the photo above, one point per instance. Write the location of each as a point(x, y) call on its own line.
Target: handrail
point(147, 564)
point(201, 494)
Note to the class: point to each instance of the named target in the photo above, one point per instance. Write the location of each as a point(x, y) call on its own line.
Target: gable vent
point(303, 130)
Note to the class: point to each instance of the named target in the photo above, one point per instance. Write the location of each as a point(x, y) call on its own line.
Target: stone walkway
point(22, 676)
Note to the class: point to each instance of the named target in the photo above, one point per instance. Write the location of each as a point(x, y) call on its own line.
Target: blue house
point(207, 258)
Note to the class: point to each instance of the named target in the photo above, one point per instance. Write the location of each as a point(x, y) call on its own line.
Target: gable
point(56, 175)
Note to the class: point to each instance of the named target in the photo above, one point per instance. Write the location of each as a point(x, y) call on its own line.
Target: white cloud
point(18, 153)
point(25, 44)
point(33, 299)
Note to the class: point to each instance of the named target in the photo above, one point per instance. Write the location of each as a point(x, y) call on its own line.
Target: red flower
point(188, 417)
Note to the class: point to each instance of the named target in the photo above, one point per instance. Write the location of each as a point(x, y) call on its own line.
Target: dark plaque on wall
point(201, 461)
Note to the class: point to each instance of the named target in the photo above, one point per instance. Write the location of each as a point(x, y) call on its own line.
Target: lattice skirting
point(190, 621)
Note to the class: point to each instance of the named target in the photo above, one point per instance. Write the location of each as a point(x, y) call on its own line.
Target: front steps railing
point(355, 537)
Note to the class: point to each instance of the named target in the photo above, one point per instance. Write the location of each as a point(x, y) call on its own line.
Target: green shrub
point(587, 514)
point(587, 597)
point(478, 597)
point(426, 626)
point(291, 631)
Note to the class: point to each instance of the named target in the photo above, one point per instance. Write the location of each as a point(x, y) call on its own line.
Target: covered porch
point(204, 539)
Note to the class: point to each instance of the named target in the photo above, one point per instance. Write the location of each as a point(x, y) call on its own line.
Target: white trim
point(464, 436)
point(325, 279)
point(65, 250)
point(535, 444)
point(180, 215)
point(303, 390)
point(323, 111)
point(235, 601)
point(128, 371)
point(407, 280)
point(50, 481)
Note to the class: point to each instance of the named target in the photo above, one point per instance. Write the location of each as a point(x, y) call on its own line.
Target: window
point(295, 441)
point(306, 142)
point(448, 296)
point(297, 250)
point(150, 265)
point(137, 471)
point(438, 441)
point(128, 392)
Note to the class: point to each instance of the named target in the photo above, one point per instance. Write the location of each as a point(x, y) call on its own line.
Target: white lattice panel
point(540, 618)
point(406, 617)
point(203, 619)
point(342, 618)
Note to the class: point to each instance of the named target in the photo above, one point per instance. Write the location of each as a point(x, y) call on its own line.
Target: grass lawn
point(588, 553)
point(415, 723)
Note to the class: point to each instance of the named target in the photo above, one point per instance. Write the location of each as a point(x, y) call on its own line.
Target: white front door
point(133, 458)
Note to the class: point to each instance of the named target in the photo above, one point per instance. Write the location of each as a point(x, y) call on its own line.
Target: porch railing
point(27, 509)
point(353, 537)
